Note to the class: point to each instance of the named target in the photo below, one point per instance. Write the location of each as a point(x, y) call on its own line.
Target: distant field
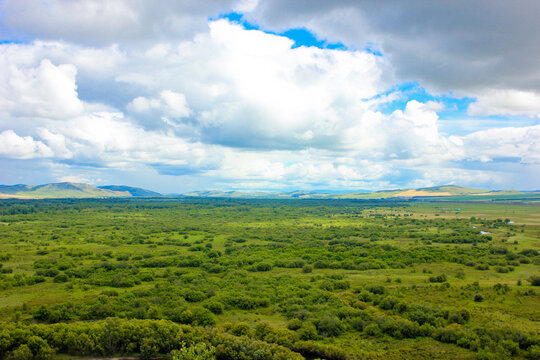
point(272, 279)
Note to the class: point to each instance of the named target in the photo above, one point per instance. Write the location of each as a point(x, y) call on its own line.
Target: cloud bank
point(183, 99)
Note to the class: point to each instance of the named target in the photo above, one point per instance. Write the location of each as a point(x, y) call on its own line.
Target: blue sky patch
point(374, 49)
point(453, 118)
point(453, 107)
point(300, 36)
point(3, 42)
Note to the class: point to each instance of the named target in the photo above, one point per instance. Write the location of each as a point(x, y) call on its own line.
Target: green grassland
point(269, 279)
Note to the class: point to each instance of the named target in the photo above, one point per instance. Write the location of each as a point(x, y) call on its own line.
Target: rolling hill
point(70, 190)
point(77, 190)
point(134, 191)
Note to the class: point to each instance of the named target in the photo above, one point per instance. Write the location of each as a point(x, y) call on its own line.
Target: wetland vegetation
point(198, 278)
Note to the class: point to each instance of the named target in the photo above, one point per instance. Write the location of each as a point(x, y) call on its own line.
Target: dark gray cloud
point(98, 22)
point(446, 45)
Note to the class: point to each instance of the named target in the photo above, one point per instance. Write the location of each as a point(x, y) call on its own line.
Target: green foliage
point(23, 352)
point(437, 279)
point(240, 329)
point(149, 348)
point(376, 289)
point(312, 349)
point(214, 306)
point(329, 326)
point(200, 351)
point(372, 330)
point(535, 280)
point(205, 278)
point(308, 331)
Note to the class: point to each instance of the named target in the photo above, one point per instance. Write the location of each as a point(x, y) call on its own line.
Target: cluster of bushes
point(437, 279)
point(423, 313)
point(244, 302)
point(491, 342)
point(414, 321)
point(535, 280)
point(443, 325)
point(149, 338)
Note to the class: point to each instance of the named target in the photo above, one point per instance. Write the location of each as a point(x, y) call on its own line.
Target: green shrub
point(308, 331)
point(240, 329)
point(263, 267)
point(329, 326)
point(294, 324)
point(535, 280)
point(60, 278)
point(214, 306)
point(21, 353)
point(437, 279)
point(372, 330)
point(149, 348)
point(200, 351)
point(376, 289)
point(312, 350)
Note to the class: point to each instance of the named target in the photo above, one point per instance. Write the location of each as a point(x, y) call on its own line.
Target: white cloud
point(457, 176)
point(517, 144)
point(18, 147)
point(506, 102)
point(109, 140)
point(75, 179)
point(47, 90)
point(251, 89)
point(169, 105)
point(57, 143)
point(411, 134)
point(297, 169)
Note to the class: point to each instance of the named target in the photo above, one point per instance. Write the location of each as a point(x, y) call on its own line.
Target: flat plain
point(269, 279)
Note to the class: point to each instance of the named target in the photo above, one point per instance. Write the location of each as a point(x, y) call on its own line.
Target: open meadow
point(269, 279)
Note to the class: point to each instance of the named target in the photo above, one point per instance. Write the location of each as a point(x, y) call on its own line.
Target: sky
point(275, 95)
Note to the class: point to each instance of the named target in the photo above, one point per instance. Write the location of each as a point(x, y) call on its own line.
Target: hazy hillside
point(77, 190)
point(453, 190)
point(70, 190)
point(13, 189)
point(134, 191)
point(445, 191)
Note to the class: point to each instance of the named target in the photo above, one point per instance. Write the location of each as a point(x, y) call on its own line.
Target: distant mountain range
point(76, 190)
point(447, 191)
point(71, 190)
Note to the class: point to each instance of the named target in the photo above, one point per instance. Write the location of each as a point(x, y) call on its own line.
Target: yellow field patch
point(414, 193)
